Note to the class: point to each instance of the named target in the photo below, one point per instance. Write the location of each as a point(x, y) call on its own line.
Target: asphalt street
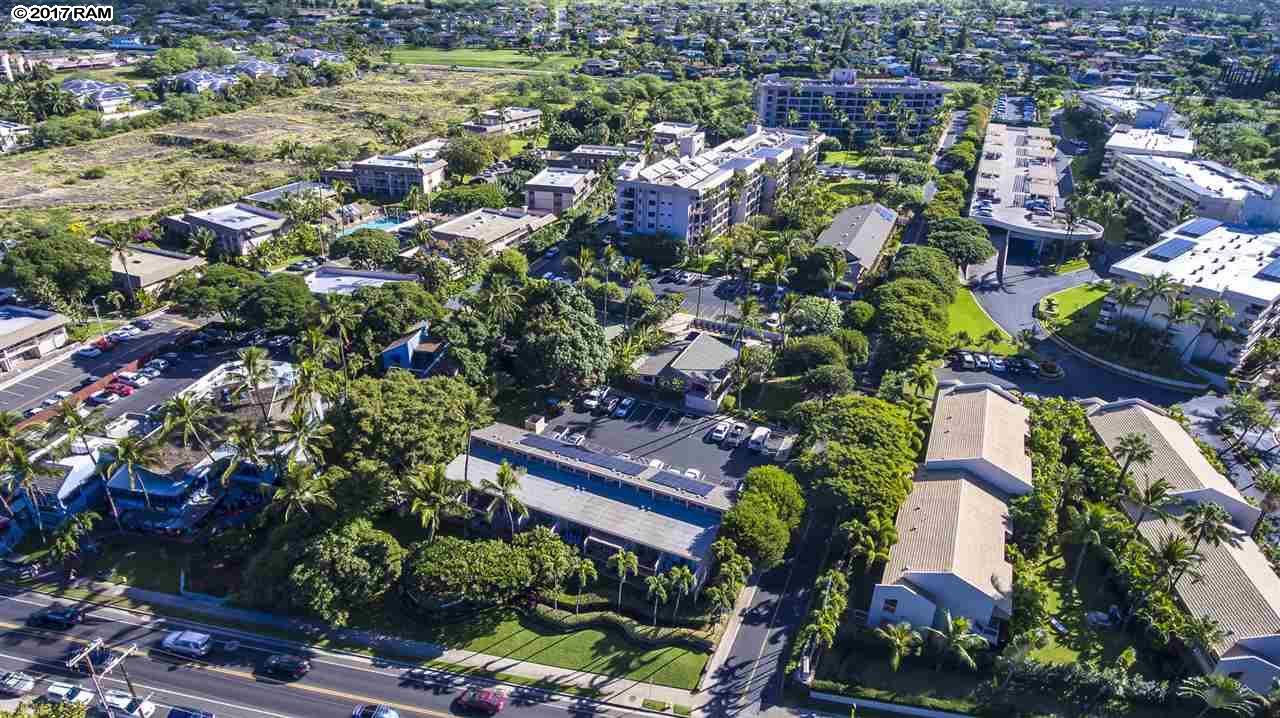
point(226, 683)
point(67, 375)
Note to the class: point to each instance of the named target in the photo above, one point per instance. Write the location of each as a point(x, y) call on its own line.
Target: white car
point(103, 397)
point(150, 372)
point(657, 464)
point(159, 364)
point(123, 703)
point(773, 321)
point(188, 643)
point(574, 439)
point(721, 431)
point(695, 474)
point(132, 378)
point(59, 692)
point(88, 352)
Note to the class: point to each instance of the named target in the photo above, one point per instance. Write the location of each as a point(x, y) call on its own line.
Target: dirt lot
point(138, 169)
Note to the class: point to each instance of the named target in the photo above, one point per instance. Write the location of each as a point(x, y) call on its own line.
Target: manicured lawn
point(844, 158)
point(89, 330)
point(776, 396)
point(1072, 265)
point(964, 315)
point(482, 58)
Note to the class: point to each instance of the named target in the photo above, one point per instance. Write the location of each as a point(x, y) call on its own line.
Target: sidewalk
point(621, 691)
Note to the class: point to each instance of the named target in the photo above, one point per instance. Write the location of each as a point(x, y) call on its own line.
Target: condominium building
point(392, 176)
point(795, 103)
point(1208, 259)
point(505, 121)
point(237, 228)
point(1164, 189)
point(555, 190)
point(1141, 107)
point(1128, 140)
point(700, 196)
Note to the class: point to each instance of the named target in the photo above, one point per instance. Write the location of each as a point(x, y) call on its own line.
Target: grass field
point(964, 315)
point(127, 74)
point(138, 169)
point(483, 58)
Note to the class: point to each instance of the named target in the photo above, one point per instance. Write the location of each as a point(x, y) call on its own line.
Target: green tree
point(170, 61)
point(1219, 692)
point(281, 304)
point(133, 453)
point(955, 640)
point(347, 568)
point(367, 248)
point(221, 290)
point(66, 540)
point(656, 590)
point(74, 265)
point(903, 641)
point(190, 415)
point(681, 581)
point(301, 490)
point(1088, 529)
point(1132, 449)
point(825, 382)
point(755, 526)
point(584, 570)
point(505, 489)
point(624, 563)
point(1207, 522)
point(450, 570)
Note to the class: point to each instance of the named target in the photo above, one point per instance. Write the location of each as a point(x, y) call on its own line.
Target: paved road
point(751, 678)
point(226, 683)
point(68, 373)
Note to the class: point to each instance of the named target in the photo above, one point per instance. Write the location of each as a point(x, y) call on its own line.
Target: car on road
point(695, 474)
point(33, 411)
point(482, 700)
point(624, 406)
point(88, 352)
point(184, 712)
point(288, 667)
point(120, 389)
point(188, 643)
point(374, 711)
point(61, 692)
point(56, 616)
point(105, 396)
point(123, 703)
point(143, 324)
point(16, 683)
point(720, 431)
point(149, 373)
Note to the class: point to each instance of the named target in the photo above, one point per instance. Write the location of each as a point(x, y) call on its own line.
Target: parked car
point(758, 438)
point(143, 324)
point(288, 667)
point(88, 352)
point(483, 700)
point(188, 643)
point(56, 616)
point(607, 406)
point(981, 361)
point(132, 378)
point(998, 365)
point(104, 344)
point(374, 711)
point(106, 396)
point(594, 397)
point(183, 712)
point(624, 406)
point(720, 431)
point(695, 474)
point(658, 464)
point(61, 692)
point(574, 439)
point(551, 252)
point(736, 434)
point(121, 389)
point(158, 363)
point(16, 683)
point(123, 703)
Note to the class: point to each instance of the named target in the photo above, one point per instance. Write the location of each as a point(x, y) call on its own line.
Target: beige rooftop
point(980, 422)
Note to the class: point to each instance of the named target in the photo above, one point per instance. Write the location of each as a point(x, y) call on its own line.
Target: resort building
point(1164, 190)
point(794, 103)
point(392, 176)
point(238, 228)
point(496, 229)
point(556, 190)
point(505, 121)
point(1140, 107)
point(148, 268)
point(1127, 140)
point(699, 197)
point(860, 233)
point(333, 279)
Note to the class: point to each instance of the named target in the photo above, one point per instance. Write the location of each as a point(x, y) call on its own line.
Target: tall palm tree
point(340, 317)
point(502, 301)
point(920, 379)
point(1088, 529)
point(1174, 557)
point(1220, 692)
point(632, 274)
point(1125, 297)
point(505, 487)
point(681, 580)
point(584, 570)
point(1152, 498)
point(1176, 313)
point(247, 446)
point(1133, 448)
point(300, 489)
point(308, 434)
point(656, 589)
point(475, 409)
point(903, 641)
point(1202, 633)
point(433, 496)
point(956, 641)
point(66, 540)
point(255, 364)
point(132, 453)
point(1211, 313)
point(120, 245)
point(1209, 523)
point(190, 415)
point(26, 472)
point(624, 563)
point(67, 417)
point(582, 265)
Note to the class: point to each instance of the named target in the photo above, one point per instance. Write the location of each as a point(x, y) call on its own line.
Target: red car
point(120, 389)
point(483, 700)
point(105, 344)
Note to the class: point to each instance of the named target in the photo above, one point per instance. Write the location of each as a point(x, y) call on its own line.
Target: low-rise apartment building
point(496, 229)
point(237, 228)
point(556, 190)
point(1154, 142)
point(1164, 190)
point(860, 233)
point(1207, 259)
point(148, 268)
point(794, 103)
point(699, 197)
point(29, 334)
point(505, 121)
point(392, 176)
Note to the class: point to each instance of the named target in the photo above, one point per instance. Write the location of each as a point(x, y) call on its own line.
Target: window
point(891, 605)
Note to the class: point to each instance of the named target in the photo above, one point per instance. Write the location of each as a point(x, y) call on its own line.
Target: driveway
point(1012, 305)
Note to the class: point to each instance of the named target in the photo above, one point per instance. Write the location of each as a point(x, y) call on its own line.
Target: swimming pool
point(383, 223)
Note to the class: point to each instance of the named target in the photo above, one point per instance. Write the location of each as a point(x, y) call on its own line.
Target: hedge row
point(634, 630)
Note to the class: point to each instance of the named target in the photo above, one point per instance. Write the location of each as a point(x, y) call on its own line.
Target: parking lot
point(68, 374)
point(652, 431)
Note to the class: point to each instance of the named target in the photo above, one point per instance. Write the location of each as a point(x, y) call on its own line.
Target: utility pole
point(85, 656)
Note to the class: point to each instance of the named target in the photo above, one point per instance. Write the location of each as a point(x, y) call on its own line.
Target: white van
point(188, 643)
point(758, 438)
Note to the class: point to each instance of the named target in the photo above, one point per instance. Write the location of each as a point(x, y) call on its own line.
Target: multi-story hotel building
point(776, 97)
point(1163, 188)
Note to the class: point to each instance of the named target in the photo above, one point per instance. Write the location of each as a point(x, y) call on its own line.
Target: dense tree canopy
point(367, 248)
point(282, 303)
point(74, 264)
point(348, 568)
point(928, 263)
point(389, 311)
point(558, 340)
point(221, 290)
point(755, 525)
point(451, 570)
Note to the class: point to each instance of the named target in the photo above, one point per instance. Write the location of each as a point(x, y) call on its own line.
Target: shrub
point(858, 314)
point(806, 353)
point(94, 173)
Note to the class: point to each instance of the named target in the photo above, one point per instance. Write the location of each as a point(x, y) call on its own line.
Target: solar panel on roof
point(1199, 227)
point(682, 483)
point(622, 466)
point(1271, 272)
point(1171, 249)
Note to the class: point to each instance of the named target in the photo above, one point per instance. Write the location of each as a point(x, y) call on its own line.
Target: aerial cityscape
point(701, 359)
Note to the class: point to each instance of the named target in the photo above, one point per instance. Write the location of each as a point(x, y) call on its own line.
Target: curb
point(1126, 372)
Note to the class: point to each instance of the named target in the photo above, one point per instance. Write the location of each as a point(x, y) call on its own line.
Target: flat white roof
point(337, 280)
point(560, 178)
point(715, 165)
point(1151, 141)
point(1222, 260)
point(236, 216)
point(1205, 177)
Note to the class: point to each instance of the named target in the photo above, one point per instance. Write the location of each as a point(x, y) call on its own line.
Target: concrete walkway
point(615, 690)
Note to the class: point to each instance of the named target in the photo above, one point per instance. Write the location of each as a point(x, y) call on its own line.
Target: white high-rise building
point(794, 103)
point(1163, 188)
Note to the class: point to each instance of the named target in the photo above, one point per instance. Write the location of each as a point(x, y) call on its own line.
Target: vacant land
point(483, 58)
point(139, 169)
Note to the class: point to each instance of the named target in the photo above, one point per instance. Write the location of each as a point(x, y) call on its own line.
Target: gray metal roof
point(861, 233)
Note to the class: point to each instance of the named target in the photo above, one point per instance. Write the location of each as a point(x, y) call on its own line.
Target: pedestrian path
point(244, 622)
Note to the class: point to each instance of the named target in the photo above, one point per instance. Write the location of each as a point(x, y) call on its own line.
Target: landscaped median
point(965, 315)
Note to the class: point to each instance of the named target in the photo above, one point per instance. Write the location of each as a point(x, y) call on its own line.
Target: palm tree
point(1220, 692)
point(624, 563)
point(67, 417)
point(1154, 498)
point(1125, 297)
point(957, 641)
point(632, 274)
point(474, 410)
point(300, 489)
point(26, 472)
point(1174, 557)
point(505, 488)
point(1209, 523)
point(433, 496)
point(1211, 312)
point(255, 364)
point(1202, 633)
point(308, 434)
point(1088, 529)
point(131, 453)
point(190, 414)
point(656, 589)
point(1133, 448)
point(66, 540)
point(340, 316)
point(681, 580)
point(920, 379)
point(502, 301)
point(903, 641)
point(582, 265)
point(202, 241)
point(584, 570)
point(1177, 313)
point(341, 189)
point(247, 447)
point(120, 245)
